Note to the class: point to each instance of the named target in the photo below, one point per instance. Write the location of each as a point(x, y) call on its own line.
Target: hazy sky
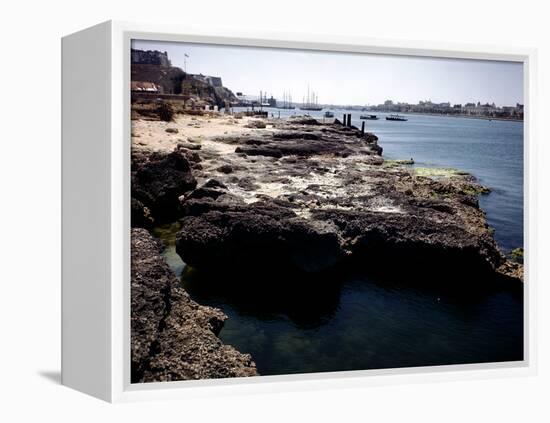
point(343, 78)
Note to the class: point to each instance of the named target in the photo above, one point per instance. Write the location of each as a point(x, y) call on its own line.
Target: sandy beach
point(153, 135)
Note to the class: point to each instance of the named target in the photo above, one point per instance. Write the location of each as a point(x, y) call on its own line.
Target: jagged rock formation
point(172, 337)
point(201, 91)
point(168, 78)
point(158, 180)
point(308, 197)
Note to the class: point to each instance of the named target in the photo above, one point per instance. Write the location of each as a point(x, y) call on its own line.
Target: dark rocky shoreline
point(300, 197)
point(173, 337)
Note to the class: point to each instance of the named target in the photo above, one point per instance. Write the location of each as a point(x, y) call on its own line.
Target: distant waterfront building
point(469, 108)
point(445, 108)
point(513, 111)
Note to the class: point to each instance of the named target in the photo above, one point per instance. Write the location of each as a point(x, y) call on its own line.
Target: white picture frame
point(96, 215)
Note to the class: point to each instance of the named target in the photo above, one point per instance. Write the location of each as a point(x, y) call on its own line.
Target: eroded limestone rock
point(173, 337)
point(310, 196)
point(158, 180)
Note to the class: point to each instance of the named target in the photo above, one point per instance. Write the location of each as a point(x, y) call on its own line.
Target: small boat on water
point(369, 117)
point(329, 114)
point(398, 118)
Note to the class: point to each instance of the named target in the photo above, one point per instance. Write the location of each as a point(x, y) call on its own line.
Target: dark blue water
point(362, 323)
point(356, 322)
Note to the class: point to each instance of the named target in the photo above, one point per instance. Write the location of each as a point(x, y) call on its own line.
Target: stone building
point(150, 57)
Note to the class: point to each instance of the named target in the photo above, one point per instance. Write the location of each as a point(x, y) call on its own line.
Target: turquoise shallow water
point(353, 321)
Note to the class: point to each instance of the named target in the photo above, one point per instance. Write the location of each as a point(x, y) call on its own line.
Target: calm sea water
point(363, 323)
point(357, 322)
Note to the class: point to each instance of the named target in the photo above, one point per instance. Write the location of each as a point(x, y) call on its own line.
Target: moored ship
point(369, 117)
point(397, 118)
point(311, 102)
point(287, 102)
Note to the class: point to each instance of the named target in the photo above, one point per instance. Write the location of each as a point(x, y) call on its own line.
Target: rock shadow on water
point(308, 300)
point(366, 314)
point(350, 320)
point(311, 300)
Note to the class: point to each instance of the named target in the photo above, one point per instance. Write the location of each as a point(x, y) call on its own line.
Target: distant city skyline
point(349, 79)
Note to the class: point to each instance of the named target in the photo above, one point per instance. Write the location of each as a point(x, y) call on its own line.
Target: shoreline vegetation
point(296, 196)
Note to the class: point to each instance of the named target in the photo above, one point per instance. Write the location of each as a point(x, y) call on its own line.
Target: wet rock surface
point(173, 337)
